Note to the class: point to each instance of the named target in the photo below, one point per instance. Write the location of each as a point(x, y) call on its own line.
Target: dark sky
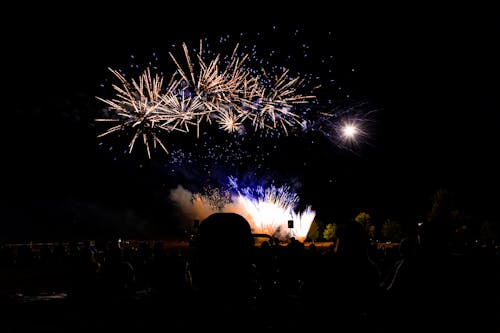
point(431, 74)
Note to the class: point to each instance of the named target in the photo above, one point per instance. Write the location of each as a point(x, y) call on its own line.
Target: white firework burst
point(137, 106)
point(201, 92)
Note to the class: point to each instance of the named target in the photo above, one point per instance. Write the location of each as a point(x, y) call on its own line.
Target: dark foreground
point(412, 287)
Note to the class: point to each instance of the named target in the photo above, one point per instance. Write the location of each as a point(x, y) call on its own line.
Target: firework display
point(203, 92)
point(232, 112)
point(267, 209)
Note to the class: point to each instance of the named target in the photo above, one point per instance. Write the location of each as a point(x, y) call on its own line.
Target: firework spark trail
point(281, 196)
point(229, 121)
point(138, 106)
point(277, 97)
point(229, 94)
point(215, 88)
point(181, 111)
point(265, 217)
point(302, 223)
point(267, 210)
point(234, 94)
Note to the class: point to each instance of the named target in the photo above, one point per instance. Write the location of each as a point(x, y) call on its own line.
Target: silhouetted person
point(222, 272)
point(403, 287)
point(118, 275)
point(438, 290)
point(346, 283)
point(45, 255)
point(24, 256)
point(359, 277)
point(405, 271)
point(292, 267)
point(59, 254)
point(7, 255)
point(84, 271)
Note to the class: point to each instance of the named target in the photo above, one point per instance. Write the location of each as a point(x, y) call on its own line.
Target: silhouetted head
point(225, 230)
point(353, 239)
point(408, 247)
point(222, 262)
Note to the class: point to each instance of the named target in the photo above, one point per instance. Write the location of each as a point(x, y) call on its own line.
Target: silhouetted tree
point(363, 218)
point(441, 206)
point(330, 232)
point(440, 217)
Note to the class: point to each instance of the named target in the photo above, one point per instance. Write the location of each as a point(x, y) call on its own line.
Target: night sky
point(429, 76)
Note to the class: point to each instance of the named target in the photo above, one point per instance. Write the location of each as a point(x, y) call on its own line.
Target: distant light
point(349, 131)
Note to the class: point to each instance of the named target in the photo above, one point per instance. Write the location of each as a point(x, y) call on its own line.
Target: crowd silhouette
point(225, 281)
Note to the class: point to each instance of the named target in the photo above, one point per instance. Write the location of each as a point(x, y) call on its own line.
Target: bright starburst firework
point(217, 86)
point(229, 121)
point(182, 110)
point(349, 131)
point(232, 93)
point(277, 99)
point(137, 107)
point(225, 92)
point(346, 126)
